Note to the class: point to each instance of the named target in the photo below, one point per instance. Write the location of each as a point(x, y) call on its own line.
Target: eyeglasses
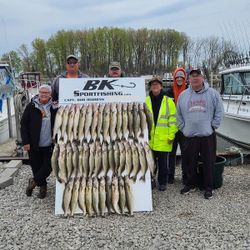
point(72, 62)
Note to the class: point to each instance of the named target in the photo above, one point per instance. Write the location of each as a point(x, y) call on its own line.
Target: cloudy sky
point(21, 21)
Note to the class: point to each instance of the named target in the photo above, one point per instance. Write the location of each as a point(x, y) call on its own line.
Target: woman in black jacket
point(36, 132)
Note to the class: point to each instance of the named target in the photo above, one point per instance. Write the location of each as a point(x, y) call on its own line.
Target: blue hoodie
point(199, 113)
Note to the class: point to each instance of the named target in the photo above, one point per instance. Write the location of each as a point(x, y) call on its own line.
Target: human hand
point(170, 141)
point(26, 147)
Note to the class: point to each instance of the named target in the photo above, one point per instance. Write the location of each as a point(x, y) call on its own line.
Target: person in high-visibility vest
point(163, 112)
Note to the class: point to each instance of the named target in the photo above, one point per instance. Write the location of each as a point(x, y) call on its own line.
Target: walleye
point(81, 196)
point(150, 159)
point(143, 120)
point(142, 159)
point(136, 163)
point(122, 155)
point(76, 121)
point(88, 121)
point(125, 131)
point(136, 120)
point(65, 119)
point(91, 158)
point(75, 158)
point(111, 159)
point(88, 197)
point(129, 160)
point(69, 162)
point(102, 196)
point(74, 198)
point(67, 197)
point(80, 161)
point(122, 195)
point(113, 121)
point(85, 159)
point(71, 123)
point(54, 160)
point(82, 123)
point(98, 159)
point(106, 122)
point(130, 120)
point(149, 119)
point(116, 156)
point(100, 122)
point(62, 173)
point(95, 196)
point(108, 194)
point(119, 121)
point(105, 163)
point(58, 123)
point(129, 195)
point(94, 121)
point(115, 194)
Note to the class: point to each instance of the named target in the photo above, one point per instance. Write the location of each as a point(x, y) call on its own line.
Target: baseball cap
point(197, 70)
point(155, 79)
point(115, 65)
point(180, 74)
point(71, 56)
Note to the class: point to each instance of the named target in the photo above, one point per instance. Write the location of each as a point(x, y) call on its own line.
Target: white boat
point(235, 93)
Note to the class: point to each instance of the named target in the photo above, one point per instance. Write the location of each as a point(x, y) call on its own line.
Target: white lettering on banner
point(84, 90)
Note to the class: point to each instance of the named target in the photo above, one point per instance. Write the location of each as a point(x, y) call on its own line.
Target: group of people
point(184, 115)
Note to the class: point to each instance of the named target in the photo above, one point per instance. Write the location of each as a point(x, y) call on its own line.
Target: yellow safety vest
point(166, 126)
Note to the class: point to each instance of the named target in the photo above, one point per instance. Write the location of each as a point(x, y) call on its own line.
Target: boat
point(235, 93)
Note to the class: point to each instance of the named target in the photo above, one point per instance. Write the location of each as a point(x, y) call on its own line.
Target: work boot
point(31, 186)
point(42, 192)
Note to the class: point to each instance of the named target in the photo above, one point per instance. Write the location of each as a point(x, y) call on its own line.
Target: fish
point(65, 119)
point(115, 194)
point(136, 120)
point(136, 163)
point(54, 160)
point(111, 160)
point(74, 197)
point(108, 194)
point(122, 195)
point(99, 135)
point(76, 121)
point(98, 159)
point(69, 162)
point(143, 120)
point(91, 158)
point(129, 195)
point(150, 159)
point(94, 121)
point(105, 162)
point(85, 159)
point(149, 119)
point(130, 120)
point(58, 123)
point(129, 159)
point(142, 160)
point(102, 196)
point(116, 157)
point(113, 121)
point(125, 131)
point(119, 121)
point(122, 158)
point(71, 123)
point(95, 196)
point(62, 173)
point(88, 122)
point(67, 193)
point(82, 196)
point(82, 123)
point(106, 122)
point(75, 158)
point(88, 197)
point(80, 161)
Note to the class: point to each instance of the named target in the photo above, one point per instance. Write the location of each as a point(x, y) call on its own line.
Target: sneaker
point(187, 190)
point(208, 195)
point(162, 187)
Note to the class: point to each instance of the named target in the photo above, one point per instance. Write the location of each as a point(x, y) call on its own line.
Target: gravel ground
point(177, 222)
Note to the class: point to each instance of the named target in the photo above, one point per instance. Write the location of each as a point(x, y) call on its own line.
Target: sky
point(22, 21)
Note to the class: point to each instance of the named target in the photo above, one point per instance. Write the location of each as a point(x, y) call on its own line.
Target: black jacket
point(31, 123)
point(156, 104)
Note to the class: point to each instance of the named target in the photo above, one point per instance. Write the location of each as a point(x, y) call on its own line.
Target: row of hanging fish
point(96, 159)
point(97, 197)
point(104, 122)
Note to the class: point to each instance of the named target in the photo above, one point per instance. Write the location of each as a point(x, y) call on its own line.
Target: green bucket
point(218, 172)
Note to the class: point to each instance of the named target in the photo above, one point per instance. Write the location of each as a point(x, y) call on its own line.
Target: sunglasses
point(72, 62)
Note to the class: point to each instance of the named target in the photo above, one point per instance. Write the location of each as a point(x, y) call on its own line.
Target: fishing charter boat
point(235, 93)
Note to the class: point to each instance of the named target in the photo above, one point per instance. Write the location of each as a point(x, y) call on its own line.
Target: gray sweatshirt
point(199, 113)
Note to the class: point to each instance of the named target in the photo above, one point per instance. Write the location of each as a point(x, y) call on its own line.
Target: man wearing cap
point(115, 69)
point(163, 113)
point(72, 71)
point(200, 112)
point(179, 85)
